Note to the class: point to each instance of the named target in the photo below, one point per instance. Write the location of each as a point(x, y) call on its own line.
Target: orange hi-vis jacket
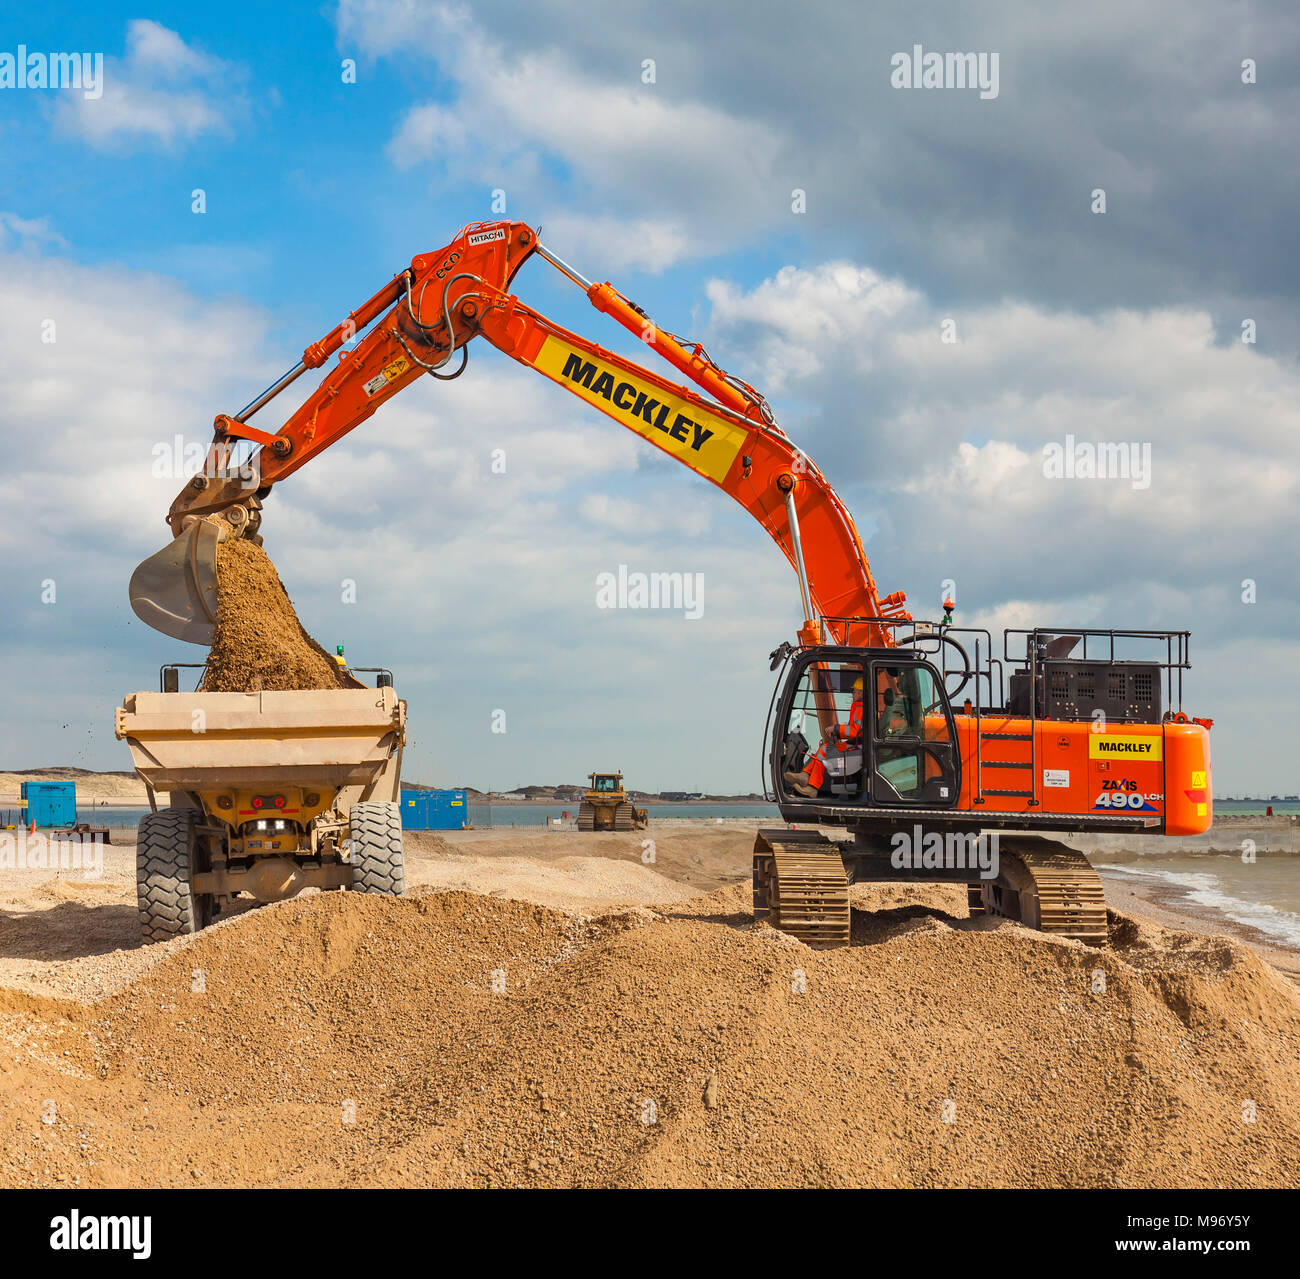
point(846, 736)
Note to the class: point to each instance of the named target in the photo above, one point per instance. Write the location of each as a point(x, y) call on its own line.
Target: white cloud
point(623, 516)
point(1017, 373)
point(659, 166)
point(163, 92)
point(650, 245)
point(154, 50)
point(988, 470)
point(27, 233)
point(798, 316)
point(100, 365)
point(944, 445)
point(967, 199)
point(476, 586)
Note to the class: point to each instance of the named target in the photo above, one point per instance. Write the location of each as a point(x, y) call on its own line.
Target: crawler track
point(1048, 886)
point(800, 886)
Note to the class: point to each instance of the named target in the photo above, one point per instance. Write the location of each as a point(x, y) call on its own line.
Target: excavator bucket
point(175, 589)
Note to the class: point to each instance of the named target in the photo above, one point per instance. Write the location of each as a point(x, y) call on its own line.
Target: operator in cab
point(812, 777)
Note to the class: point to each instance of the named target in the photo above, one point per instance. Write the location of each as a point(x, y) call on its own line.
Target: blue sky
point(922, 207)
point(306, 211)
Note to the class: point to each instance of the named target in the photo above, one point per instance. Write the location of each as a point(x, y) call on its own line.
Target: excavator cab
point(863, 728)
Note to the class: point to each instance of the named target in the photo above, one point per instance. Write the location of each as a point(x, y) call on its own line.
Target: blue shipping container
point(414, 810)
point(434, 810)
point(50, 804)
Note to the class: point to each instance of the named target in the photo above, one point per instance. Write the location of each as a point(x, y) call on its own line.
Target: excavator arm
point(423, 321)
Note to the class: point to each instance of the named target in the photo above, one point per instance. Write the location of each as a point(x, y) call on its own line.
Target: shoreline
point(114, 801)
point(1172, 907)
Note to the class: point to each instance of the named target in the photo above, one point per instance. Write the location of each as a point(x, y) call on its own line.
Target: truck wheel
point(165, 861)
point(377, 865)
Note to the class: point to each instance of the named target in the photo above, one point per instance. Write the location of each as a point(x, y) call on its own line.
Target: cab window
point(911, 740)
point(909, 704)
point(823, 748)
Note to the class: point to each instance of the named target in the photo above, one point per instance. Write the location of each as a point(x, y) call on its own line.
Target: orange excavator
point(1059, 729)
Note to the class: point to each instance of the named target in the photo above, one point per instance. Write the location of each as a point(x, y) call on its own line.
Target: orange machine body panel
point(1067, 767)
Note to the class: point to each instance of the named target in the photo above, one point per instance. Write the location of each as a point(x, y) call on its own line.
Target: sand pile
point(588, 884)
point(464, 1040)
point(259, 643)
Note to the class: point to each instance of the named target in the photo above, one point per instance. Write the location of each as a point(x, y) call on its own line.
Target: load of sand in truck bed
point(260, 645)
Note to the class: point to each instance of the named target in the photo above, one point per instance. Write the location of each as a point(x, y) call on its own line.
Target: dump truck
point(607, 806)
point(268, 793)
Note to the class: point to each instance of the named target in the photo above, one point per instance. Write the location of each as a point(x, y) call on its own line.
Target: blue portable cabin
point(50, 804)
point(435, 809)
point(415, 810)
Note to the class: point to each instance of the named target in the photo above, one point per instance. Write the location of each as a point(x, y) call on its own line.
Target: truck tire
point(165, 861)
point(377, 864)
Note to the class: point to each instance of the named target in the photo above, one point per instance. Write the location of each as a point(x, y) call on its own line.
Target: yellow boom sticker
point(389, 373)
point(704, 441)
point(1125, 747)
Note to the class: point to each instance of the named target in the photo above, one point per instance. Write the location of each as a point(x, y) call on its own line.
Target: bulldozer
point(607, 806)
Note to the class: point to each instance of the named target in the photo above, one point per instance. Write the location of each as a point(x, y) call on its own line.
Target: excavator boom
point(422, 322)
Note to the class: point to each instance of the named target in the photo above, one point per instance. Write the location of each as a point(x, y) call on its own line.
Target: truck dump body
point(207, 741)
point(270, 793)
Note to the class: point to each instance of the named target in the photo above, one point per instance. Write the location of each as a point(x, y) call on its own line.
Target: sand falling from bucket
point(260, 645)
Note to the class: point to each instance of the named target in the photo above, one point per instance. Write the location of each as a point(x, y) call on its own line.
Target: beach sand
point(554, 1009)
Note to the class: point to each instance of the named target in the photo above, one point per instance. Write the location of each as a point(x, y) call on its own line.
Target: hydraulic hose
point(966, 672)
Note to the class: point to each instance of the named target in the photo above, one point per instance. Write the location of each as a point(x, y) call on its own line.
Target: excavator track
point(587, 817)
point(801, 886)
point(625, 817)
point(1051, 887)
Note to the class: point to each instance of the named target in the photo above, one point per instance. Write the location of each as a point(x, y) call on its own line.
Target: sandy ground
point(68, 934)
point(554, 1009)
point(700, 854)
